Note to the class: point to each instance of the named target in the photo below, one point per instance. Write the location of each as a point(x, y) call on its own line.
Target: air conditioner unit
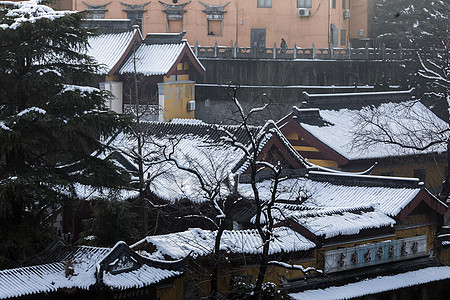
point(303, 12)
point(191, 106)
point(346, 13)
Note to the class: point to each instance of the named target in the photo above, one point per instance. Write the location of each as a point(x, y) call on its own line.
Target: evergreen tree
point(111, 221)
point(413, 23)
point(48, 127)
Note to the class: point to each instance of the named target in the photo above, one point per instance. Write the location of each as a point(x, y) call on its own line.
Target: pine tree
point(50, 122)
point(111, 221)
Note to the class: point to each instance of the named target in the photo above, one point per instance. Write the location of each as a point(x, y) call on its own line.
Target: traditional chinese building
point(159, 64)
point(355, 230)
point(323, 131)
point(74, 272)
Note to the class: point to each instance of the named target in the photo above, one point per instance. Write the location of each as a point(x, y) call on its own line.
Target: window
point(333, 4)
point(264, 3)
point(344, 6)
point(334, 36)
point(304, 3)
point(258, 38)
point(174, 26)
point(421, 174)
point(214, 27)
point(343, 37)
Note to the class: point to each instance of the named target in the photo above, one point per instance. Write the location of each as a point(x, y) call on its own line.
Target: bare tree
point(271, 167)
point(408, 127)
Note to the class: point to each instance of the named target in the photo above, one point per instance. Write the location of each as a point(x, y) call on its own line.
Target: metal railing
point(331, 53)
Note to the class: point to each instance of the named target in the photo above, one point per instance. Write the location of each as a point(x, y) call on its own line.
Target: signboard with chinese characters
point(375, 253)
point(123, 263)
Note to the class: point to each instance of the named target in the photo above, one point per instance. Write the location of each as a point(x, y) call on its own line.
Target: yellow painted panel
point(112, 78)
point(177, 96)
point(292, 136)
point(306, 148)
point(183, 77)
point(180, 66)
point(324, 163)
point(168, 79)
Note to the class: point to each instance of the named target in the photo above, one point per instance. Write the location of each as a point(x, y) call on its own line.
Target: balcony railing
point(331, 53)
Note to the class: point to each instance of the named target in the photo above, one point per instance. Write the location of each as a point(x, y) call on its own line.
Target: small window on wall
point(175, 26)
point(264, 3)
point(343, 37)
point(421, 174)
point(215, 27)
point(344, 6)
point(304, 3)
point(333, 3)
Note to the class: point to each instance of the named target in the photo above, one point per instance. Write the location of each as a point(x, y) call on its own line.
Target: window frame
point(306, 4)
point(264, 3)
point(343, 38)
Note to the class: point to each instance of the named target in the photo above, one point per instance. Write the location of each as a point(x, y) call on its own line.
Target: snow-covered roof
point(199, 242)
point(341, 190)
point(157, 59)
point(78, 267)
point(377, 285)
point(337, 126)
point(194, 145)
point(109, 47)
point(334, 221)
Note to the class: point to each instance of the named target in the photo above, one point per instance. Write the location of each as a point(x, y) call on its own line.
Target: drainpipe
point(349, 23)
point(237, 21)
point(329, 21)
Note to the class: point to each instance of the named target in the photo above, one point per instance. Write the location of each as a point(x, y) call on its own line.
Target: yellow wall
point(171, 291)
point(435, 172)
point(293, 136)
point(177, 94)
point(280, 21)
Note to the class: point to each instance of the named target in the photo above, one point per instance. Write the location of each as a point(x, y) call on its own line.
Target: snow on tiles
point(322, 194)
point(29, 11)
point(198, 242)
point(332, 221)
point(170, 147)
point(376, 285)
point(340, 125)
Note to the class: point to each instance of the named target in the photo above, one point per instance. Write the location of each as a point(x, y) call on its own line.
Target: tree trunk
point(217, 261)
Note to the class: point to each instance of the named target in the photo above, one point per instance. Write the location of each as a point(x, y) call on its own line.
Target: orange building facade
point(246, 22)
